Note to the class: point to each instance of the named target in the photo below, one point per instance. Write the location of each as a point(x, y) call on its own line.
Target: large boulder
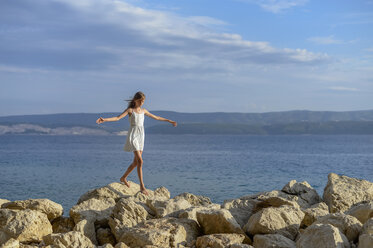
point(164, 232)
point(303, 190)
point(69, 239)
point(88, 229)
point(322, 236)
point(46, 206)
point(272, 240)
point(277, 198)
point(92, 212)
point(341, 192)
point(362, 211)
point(313, 213)
point(119, 190)
point(191, 213)
point(93, 209)
point(219, 221)
point(62, 224)
point(241, 209)
point(24, 225)
point(194, 200)
point(126, 213)
point(113, 190)
point(348, 225)
point(219, 240)
point(284, 220)
point(169, 207)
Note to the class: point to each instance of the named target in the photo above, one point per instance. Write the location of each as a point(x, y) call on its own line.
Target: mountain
point(296, 121)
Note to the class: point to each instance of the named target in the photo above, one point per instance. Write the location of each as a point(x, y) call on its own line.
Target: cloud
point(328, 40)
point(341, 88)
point(116, 35)
point(276, 6)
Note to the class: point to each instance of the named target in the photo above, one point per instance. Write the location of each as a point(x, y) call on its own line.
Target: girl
point(135, 135)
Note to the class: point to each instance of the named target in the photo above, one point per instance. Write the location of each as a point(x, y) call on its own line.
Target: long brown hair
point(138, 96)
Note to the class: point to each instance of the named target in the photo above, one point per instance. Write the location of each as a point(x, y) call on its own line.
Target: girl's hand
point(174, 123)
point(100, 120)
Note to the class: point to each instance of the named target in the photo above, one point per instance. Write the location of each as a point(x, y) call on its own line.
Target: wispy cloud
point(328, 40)
point(276, 6)
point(341, 88)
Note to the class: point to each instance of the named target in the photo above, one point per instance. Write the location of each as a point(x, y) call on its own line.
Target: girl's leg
point(128, 171)
point(138, 157)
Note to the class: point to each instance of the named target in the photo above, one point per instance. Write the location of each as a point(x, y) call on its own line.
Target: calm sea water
point(62, 168)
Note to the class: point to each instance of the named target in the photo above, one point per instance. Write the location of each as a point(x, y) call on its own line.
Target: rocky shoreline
point(120, 217)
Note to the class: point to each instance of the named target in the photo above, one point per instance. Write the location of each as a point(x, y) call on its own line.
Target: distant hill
point(297, 121)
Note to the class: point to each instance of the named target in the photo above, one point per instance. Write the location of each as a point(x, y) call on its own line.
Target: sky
point(89, 56)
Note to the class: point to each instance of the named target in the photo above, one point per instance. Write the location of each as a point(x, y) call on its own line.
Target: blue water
point(62, 168)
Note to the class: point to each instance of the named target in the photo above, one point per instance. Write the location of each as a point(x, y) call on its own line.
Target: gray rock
point(341, 192)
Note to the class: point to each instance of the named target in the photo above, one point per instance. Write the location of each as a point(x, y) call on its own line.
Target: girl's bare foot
point(122, 179)
point(143, 190)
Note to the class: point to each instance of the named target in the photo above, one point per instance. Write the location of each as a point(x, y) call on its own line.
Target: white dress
point(136, 134)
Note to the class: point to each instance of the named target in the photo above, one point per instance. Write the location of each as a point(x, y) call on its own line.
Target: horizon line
point(295, 110)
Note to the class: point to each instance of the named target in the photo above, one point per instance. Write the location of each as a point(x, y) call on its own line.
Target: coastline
point(117, 216)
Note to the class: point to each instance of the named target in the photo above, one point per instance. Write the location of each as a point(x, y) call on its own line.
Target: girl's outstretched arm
point(117, 118)
point(158, 118)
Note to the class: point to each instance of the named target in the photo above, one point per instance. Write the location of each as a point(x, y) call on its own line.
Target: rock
point(272, 240)
point(194, 200)
point(46, 206)
point(362, 211)
point(92, 212)
point(24, 225)
point(160, 194)
point(314, 212)
point(303, 190)
point(125, 214)
point(322, 236)
point(219, 221)
point(113, 190)
point(273, 201)
point(284, 220)
point(93, 209)
point(169, 207)
point(241, 246)
point(341, 192)
point(191, 213)
point(219, 240)
point(348, 225)
point(2, 201)
point(119, 190)
point(365, 241)
point(104, 236)
point(283, 199)
point(87, 228)
point(11, 243)
point(62, 224)
point(241, 209)
point(105, 246)
point(368, 227)
point(164, 232)
point(121, 245)
point(69, 239)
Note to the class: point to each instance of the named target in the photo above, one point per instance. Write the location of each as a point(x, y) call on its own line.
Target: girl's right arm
point(117, 118)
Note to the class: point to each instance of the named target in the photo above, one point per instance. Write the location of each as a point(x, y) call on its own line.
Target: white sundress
point(136, 134)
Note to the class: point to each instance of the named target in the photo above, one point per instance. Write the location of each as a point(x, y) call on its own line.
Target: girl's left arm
point(158, 118)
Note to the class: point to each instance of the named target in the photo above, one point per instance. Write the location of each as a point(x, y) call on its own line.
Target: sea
point(221, 167)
